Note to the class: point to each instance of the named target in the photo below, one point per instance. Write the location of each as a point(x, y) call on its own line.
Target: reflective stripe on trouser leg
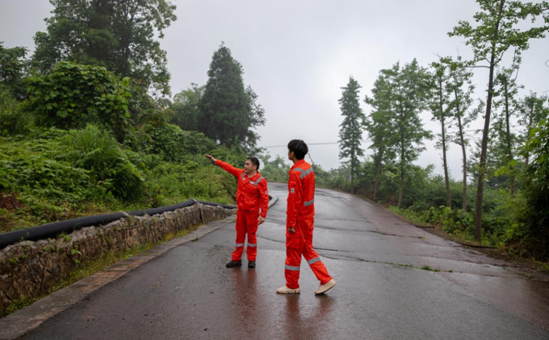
point(291, 269)
point(240, 235)
point(251, 231)
point(310, 254)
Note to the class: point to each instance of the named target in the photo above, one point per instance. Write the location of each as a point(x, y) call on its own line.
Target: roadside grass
point(88, 268)
point(465, 238)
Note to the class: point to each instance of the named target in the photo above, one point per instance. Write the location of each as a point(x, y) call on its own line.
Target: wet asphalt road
point(382, 292)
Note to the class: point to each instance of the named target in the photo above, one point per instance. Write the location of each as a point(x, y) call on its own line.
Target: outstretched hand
point(211, 158)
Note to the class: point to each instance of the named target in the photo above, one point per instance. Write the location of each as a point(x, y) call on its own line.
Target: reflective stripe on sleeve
point(308, 203)
point(311, 261)
point(258, 180)
point(294, 269)
point(306, 173)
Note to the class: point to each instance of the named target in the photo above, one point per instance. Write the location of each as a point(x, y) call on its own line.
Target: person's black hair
point(254, 161)
point(299, 148)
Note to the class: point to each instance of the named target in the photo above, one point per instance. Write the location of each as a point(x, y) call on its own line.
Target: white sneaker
point(325, 287)
point(286, 290)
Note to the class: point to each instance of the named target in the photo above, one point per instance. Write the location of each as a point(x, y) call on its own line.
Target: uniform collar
point(253, 178)
point(298, 163)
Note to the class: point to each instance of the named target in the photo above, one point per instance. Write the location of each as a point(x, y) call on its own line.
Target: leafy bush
point(535, 214)
point(72, 95)
point(13, 120)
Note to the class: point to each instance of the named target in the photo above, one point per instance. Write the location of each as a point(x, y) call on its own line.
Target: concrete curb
point(19, 323)
point(273, 200)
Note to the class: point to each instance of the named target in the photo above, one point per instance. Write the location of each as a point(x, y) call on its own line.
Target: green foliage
point(194, 178)
point(403, 95)
point(72, 95)
point(536, 214)
point(119, 35)
point(95, 150)
point(350, 133)
point(13, 119)
point(498, 29)
point(47, 185)
point(13, 67)
point(185, 108)
point(227, 110)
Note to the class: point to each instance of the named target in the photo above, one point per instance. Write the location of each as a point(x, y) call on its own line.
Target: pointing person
point(252, 199)
point(299, 223)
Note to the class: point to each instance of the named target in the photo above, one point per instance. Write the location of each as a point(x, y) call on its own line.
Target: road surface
point(382, 291)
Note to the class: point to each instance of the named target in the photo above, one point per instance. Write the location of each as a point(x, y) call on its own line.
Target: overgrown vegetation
point(86, 124)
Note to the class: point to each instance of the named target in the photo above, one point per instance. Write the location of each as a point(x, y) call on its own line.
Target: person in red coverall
point(252, 199)
point(299, 223)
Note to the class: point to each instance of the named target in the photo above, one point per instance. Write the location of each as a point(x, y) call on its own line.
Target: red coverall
point(251, 195)
point(300, 216)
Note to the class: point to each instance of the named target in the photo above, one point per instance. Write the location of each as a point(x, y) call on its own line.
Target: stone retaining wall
point(30, 269)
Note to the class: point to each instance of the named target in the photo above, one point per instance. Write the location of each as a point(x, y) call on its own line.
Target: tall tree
point(497, 31)
point(227, 109)
point(410, 97)
point(506, 91)
point(380, 127)
point(350, 133)
point(118, 34)
point(461, 88)
point(532, 110)
point(439, 105)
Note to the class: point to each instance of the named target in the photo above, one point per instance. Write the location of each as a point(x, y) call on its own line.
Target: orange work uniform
point(252, 196)
point(300, 216)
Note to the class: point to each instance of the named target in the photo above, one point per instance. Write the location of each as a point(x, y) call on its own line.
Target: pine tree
point(380, 127)
point(225, 109)
point(350, 133)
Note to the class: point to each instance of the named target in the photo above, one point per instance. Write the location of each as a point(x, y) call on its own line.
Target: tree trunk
point(528, 136)
point(352, 174)
point(464, 152)
point(445, 164)
point(401, 189)
point(401, 185)
point(484, 145)
point(378, 174)
point(508, 133)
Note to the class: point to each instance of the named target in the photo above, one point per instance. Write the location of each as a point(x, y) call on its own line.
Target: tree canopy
point(119, 35)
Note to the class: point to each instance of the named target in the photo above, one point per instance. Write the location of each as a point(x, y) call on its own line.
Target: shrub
point(100, 153)
point(13, 120)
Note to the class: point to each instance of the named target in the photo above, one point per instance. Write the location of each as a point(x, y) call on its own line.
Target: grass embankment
point(57, 175)
point(458, 226)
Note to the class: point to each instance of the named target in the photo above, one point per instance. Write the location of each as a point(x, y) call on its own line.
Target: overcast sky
point(298, 54)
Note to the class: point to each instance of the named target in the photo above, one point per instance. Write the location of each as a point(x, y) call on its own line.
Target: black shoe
point(251, 264)
point(234, 264)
